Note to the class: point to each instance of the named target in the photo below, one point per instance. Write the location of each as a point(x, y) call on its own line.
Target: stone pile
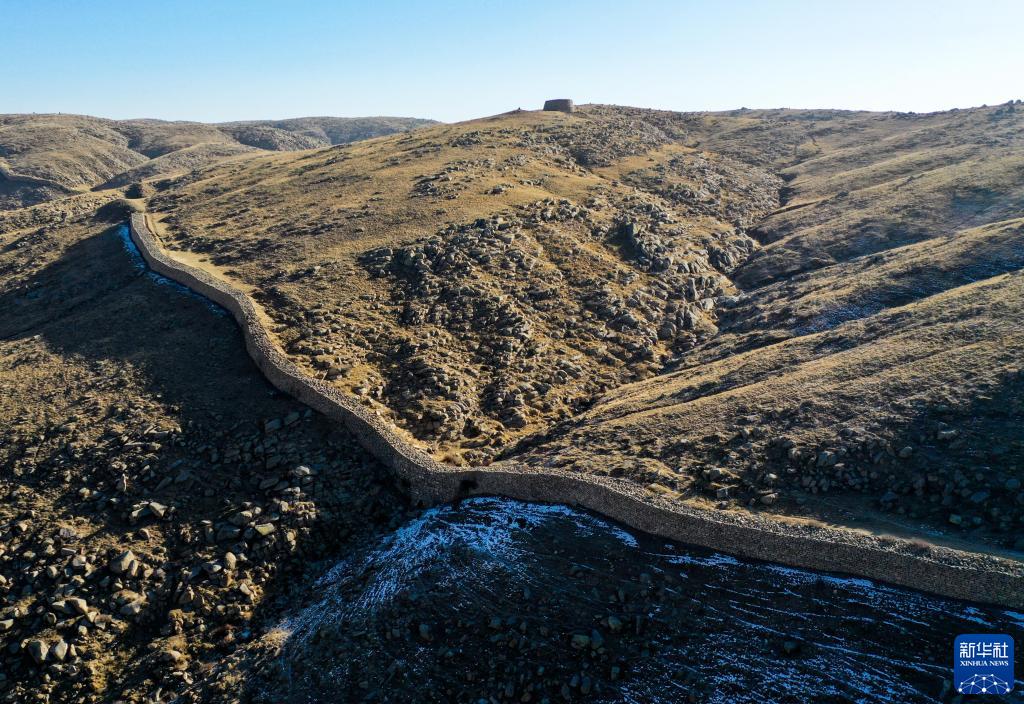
point(197, 524)
point(477, 303)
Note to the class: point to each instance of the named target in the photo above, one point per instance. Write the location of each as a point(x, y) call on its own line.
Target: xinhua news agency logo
point(983, 663)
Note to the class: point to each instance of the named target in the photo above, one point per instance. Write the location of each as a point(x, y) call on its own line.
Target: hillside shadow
point(97, 302)
point(981, 465)
point(98, 311)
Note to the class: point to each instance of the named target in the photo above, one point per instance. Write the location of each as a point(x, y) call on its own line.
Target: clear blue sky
point(218, 60)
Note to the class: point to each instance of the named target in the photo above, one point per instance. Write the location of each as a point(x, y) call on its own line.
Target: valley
point(790, 325)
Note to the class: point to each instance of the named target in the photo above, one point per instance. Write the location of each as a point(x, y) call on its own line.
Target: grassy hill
point(115, 388)
point(318, 131)
point(47, 156)
point(814, 313)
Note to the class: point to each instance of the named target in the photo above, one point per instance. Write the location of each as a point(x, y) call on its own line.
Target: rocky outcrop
point(7, 175)
point(935, 569)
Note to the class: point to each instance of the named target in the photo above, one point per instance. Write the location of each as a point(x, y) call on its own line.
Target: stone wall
point(942, 571)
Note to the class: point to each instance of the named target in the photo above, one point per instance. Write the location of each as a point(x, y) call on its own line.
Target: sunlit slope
point(813, 312)
point(859, 183)
point(44, 157)
point(475, 282)
point(917, 408)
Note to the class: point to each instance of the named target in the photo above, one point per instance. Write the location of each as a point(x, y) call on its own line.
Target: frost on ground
point(536, 587)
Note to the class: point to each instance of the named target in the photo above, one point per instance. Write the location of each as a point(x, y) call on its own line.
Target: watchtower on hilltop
point(559, 105)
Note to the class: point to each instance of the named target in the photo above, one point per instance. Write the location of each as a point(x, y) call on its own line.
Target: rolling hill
point(48, 156)
point(793, 317)
point(812, 313)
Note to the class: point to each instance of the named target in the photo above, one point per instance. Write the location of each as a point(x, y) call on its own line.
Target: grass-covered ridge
point(49, 156)
point(806, 312)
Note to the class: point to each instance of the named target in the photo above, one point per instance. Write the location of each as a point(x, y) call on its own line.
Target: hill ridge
point(65, 152)
point(944, 571)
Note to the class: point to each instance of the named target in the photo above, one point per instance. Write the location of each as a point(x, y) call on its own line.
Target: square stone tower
point(559, 105)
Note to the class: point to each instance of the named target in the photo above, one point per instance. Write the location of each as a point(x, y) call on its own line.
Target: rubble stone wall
point(944, 571)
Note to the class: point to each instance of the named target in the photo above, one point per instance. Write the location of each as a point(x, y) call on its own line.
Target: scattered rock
point(580, 641)
point(122, 563)
point(38, 649)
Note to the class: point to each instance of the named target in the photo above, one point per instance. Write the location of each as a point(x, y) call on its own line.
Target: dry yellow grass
point(500, 257)
point(483, 284)
point(43, 157)
point(131, 419)
point(814, 314)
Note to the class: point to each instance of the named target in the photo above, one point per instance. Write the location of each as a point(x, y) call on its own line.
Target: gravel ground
point(496, 600)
